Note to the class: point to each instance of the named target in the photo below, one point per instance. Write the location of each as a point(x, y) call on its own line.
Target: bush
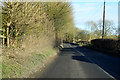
point(110, 44)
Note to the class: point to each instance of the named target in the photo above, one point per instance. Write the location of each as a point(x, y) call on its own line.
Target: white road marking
point(93, 62)
point(79, 52)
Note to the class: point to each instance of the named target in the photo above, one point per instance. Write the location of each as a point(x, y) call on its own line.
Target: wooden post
point(103, 21)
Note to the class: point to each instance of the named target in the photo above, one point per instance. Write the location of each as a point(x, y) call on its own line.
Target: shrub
point(106, 44)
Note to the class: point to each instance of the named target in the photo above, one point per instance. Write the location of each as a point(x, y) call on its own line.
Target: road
point(79, 62)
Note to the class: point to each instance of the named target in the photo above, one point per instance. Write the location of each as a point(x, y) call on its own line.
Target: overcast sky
point(92, 10)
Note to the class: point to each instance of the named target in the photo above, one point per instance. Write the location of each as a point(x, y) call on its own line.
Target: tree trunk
point(16, 35)
point(56, 38)
point(3, 41)
point(8, 40)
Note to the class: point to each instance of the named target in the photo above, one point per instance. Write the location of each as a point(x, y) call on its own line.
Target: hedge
point(110, 44)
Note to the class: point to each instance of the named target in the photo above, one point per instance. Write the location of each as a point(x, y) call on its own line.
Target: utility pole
point(103, 21)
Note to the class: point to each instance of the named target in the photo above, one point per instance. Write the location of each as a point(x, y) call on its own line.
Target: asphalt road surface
point(79, 62)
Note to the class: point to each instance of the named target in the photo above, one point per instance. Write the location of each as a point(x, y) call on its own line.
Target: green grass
point(9, 70)
point(21, 67)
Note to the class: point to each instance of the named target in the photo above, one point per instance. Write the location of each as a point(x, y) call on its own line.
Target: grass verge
point(23, 67)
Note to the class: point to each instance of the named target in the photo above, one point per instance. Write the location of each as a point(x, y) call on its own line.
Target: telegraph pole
point(103, 21)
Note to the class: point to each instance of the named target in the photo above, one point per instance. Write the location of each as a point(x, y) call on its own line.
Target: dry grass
point(33, 51)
